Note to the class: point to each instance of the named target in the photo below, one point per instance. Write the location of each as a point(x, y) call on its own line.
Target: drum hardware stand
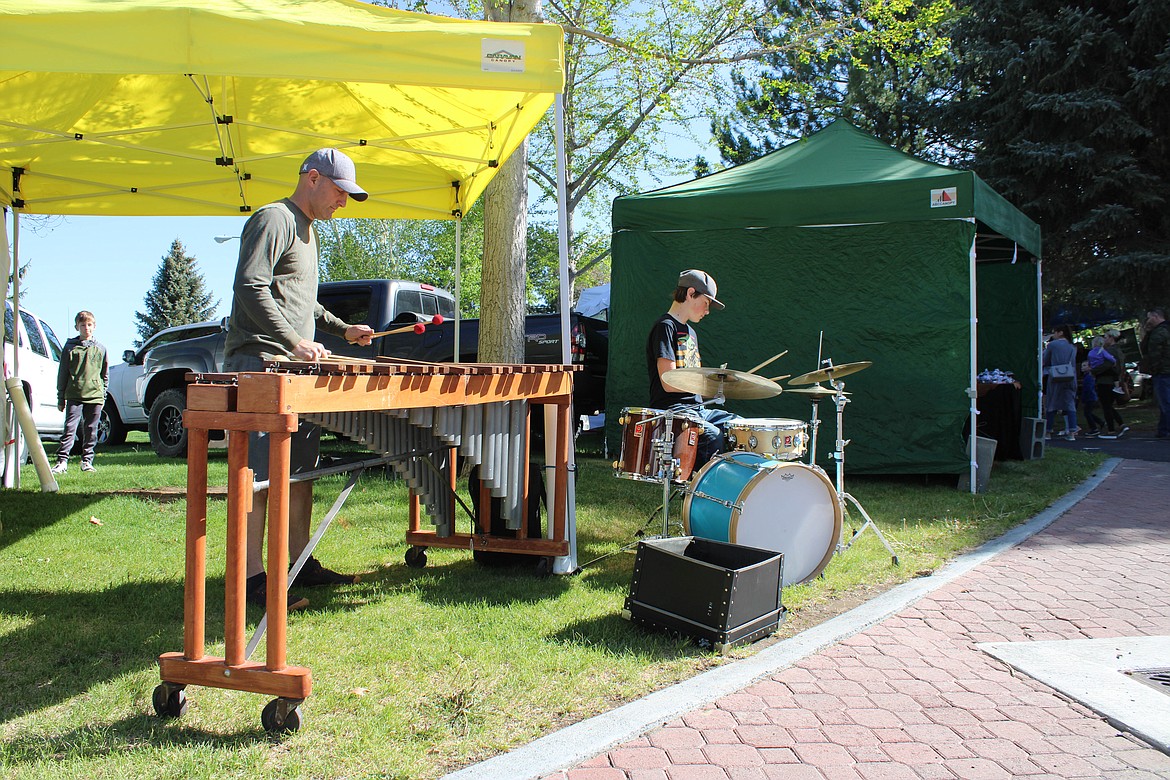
point(839, 458)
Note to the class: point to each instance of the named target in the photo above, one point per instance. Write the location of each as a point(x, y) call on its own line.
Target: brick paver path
point(913, 697)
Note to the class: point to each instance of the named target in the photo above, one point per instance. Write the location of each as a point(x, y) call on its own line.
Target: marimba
point(478, 411)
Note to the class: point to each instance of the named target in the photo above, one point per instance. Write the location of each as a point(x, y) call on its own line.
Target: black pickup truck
point(383, 304)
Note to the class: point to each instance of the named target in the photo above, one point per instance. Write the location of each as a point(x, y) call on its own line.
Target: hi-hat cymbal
point(830, 373)
point(816, 391)
point(707, 382)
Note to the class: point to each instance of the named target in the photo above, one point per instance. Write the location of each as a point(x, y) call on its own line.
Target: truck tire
point(111, 429)
point(168, 437)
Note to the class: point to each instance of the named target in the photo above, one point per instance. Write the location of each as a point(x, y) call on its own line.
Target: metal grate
point(1158, 679)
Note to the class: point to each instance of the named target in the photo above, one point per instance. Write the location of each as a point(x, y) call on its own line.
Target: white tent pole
point(16, 453)
point(565, 564)
point(1040, 341)
point(972, 443)
point(458, 283)
point(7, 403)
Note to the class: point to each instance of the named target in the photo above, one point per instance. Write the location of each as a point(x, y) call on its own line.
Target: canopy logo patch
point(501, 56)
point(948, 196)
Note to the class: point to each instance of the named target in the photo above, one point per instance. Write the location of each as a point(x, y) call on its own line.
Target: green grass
point(416, 672)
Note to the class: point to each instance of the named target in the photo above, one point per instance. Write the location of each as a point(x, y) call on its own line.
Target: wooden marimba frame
point(271, 401)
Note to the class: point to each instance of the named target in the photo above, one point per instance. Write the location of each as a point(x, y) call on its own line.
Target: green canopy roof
point(839, 175)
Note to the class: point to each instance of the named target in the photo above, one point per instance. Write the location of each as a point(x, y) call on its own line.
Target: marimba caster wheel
point(170, 701)
point(416, 557)
point(544, 566)
point(281, 716)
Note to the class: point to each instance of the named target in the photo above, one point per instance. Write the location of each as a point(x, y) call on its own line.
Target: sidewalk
point(919, 691)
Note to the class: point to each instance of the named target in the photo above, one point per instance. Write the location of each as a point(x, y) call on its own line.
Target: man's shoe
point(87, 467)
point(1092, 434)
point(256, 593)
point(1124, 430)
point(313, 574)
point(1108, 436)
point(60, 468)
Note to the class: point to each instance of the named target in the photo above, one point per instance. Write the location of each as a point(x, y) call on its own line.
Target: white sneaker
point(1119, 391)
point(60, 468)
point(87, 467)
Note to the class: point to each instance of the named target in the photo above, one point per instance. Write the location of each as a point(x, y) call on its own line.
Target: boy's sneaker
point(313, 574)
point(1108, 436)
point(1119, 390)
point(1092, 434)
point(256, 593)
point(60, 468)
point(87, 467)
point(1124, 430)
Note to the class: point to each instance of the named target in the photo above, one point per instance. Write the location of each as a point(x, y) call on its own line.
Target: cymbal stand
point(840, 399)
point(815, 424)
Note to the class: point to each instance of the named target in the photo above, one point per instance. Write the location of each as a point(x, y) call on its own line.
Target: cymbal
point(830, 373)
point(707, 382)
point(816, 391)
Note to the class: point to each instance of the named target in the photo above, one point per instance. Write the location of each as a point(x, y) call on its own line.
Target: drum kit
point(758, 493)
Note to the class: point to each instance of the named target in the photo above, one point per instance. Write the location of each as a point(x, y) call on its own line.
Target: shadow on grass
point(25, 513)
point(72, 641)
point(465, 581)
point(96, 741)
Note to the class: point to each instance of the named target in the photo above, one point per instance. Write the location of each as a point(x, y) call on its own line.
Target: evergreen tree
point(178, 295)
point(1069, 112)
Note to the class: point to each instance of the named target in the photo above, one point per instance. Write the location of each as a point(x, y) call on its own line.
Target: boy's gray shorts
point(305, 444)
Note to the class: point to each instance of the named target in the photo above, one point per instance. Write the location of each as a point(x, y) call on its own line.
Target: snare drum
point(779, 438)
point(639, 459)
point(745, 498)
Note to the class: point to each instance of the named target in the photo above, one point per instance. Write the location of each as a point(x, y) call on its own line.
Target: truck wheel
point(167, 434)
point(111, 429)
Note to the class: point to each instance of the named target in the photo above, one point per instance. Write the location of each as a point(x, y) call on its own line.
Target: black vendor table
point(1000, 417)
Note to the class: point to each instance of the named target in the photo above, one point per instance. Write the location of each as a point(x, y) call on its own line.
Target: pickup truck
point(382, 304)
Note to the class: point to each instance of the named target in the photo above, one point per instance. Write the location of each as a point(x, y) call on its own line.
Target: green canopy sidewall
point(1009, 326)
point(894, 294)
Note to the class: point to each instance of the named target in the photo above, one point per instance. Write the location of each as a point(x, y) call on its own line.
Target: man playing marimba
point(275, 315)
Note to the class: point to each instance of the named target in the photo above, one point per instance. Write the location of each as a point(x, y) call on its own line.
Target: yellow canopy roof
point(207, 107)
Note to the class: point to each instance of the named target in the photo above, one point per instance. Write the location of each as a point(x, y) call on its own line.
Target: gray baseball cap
point(338, 168)
point(703, 283)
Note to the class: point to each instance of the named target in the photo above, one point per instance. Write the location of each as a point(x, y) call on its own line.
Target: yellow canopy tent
point(164, 107)
point(173, 107)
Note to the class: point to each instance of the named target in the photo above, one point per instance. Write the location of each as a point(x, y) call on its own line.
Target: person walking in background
point(1156, 362)
point(1060, 366)
point(82, 379)
point(1088, 394)
point(1107, 366)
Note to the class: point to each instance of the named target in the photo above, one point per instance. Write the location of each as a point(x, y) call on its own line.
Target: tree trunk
point(505, 229)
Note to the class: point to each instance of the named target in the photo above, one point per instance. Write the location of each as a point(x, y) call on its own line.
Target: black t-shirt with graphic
point(675, 341)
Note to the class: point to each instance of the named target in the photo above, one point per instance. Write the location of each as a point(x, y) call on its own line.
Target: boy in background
point(82, 379)
point(1089, 401)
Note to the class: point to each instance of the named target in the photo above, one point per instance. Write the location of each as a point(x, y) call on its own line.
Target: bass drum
point(745, 498)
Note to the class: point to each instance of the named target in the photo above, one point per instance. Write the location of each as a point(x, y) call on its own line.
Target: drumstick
point(418, 327)
point(778, 378)
point(766, 362)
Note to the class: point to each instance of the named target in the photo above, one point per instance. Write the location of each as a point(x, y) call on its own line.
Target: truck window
point(447, 308)
point(353, 307)
point(430, 305)
point(9, 325)
point(408, 300)
point(34, 334)
point(54, 342)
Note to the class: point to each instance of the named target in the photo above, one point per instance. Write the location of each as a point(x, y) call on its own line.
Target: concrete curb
point(583, 740)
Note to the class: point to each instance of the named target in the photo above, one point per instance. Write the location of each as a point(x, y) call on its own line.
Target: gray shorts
point(305, 443)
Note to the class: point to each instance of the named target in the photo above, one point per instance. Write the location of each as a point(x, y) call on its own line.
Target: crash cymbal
point(707, 382)
point(816, 391)
point(830, 373)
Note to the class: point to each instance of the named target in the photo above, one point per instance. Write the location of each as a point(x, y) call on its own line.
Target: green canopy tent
point(838, 246)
